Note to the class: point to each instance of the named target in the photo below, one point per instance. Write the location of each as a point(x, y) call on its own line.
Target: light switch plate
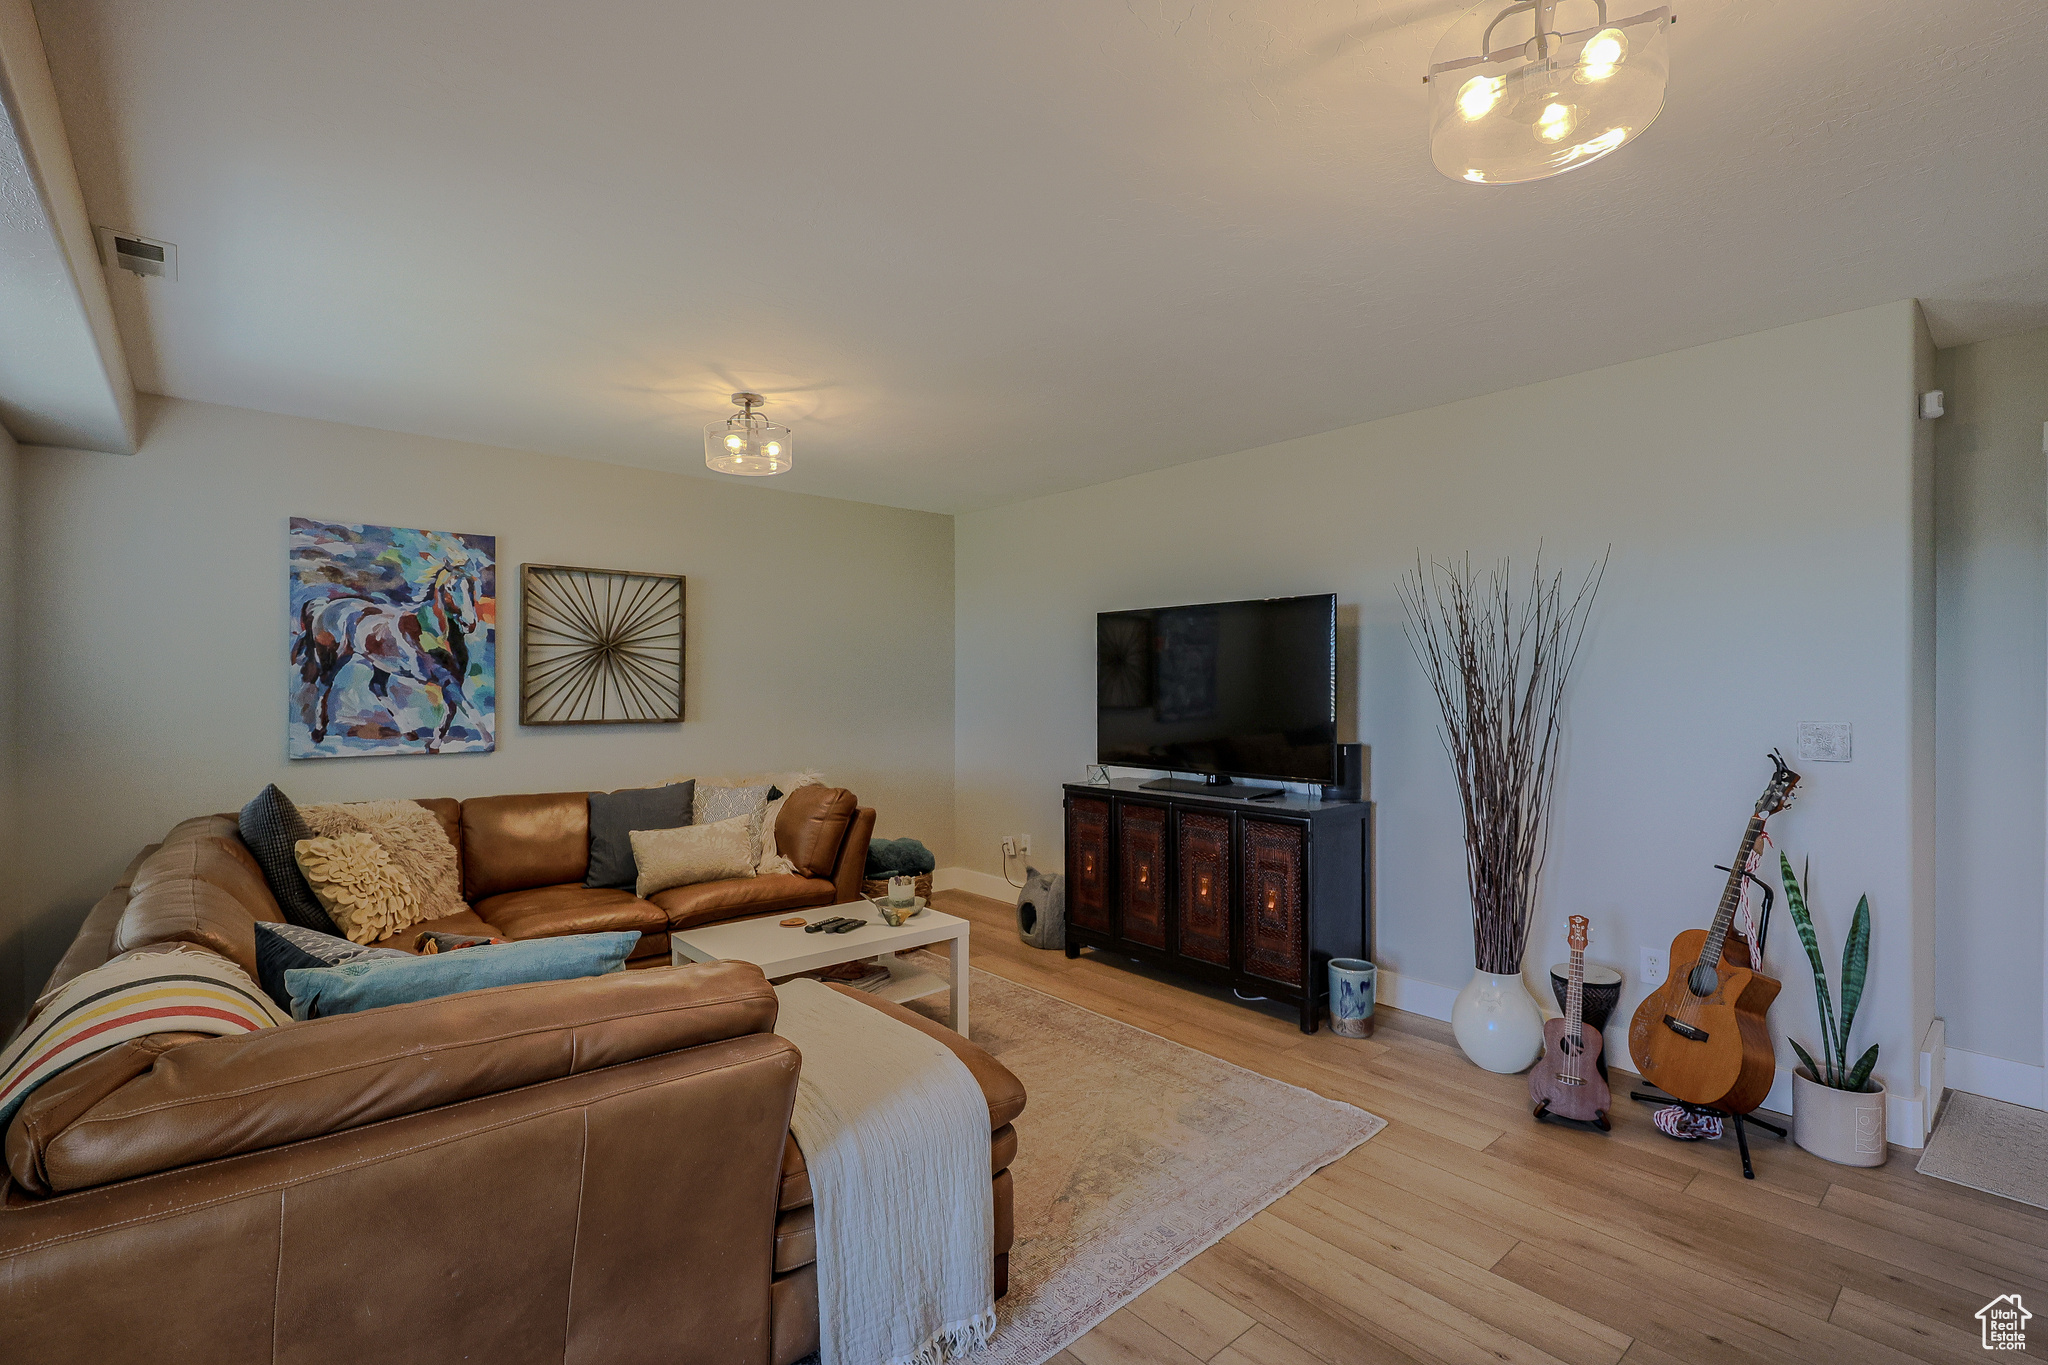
point(1826, 741)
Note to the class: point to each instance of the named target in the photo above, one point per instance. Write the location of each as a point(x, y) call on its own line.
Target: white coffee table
point(784, 952)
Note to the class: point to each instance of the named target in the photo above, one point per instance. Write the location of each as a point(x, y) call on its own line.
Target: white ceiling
point(977, 252)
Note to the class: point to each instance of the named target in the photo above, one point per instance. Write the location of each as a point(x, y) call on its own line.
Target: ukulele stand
point(1741, 1137)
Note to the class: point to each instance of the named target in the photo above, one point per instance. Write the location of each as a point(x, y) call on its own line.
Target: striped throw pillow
point(176, 992)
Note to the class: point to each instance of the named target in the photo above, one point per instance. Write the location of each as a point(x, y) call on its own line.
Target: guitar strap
point(1750, 930)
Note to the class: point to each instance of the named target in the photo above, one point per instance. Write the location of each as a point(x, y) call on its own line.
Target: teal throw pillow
point(318, 992)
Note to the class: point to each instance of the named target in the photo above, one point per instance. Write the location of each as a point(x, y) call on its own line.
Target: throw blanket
point(181, 990)
point(899, 857)
point(894, 1131)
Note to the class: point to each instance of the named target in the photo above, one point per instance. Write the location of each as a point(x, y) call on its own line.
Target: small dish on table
point(896, 916)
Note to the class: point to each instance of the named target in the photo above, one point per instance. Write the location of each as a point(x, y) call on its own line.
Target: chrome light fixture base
point(747, 443)
point(1505, 110)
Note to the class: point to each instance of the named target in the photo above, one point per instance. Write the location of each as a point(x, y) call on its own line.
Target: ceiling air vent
point(140, 255)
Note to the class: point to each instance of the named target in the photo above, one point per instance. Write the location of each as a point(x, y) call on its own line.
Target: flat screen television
point(1225, 689)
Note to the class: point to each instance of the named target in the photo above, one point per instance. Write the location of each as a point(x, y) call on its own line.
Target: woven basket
point(879, 886)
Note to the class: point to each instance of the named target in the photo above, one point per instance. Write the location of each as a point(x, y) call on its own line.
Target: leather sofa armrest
point(141, 1110)
point(853, 855)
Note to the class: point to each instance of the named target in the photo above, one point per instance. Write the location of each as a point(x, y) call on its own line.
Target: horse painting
point(393, 641)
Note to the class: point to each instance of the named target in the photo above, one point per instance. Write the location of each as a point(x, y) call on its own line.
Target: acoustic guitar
point(1566, 1080)
point(1700, 1036)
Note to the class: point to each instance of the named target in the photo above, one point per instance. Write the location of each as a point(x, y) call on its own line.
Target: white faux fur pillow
point(771, 861)
point(694, 853)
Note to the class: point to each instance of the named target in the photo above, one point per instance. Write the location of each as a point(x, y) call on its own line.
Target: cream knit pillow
point(694, 853)
point(356, 882)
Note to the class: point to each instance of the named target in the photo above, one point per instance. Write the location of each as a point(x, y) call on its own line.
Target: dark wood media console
point(1258, 895)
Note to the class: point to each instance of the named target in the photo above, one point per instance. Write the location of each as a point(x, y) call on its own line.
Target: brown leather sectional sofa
point(592, 1170)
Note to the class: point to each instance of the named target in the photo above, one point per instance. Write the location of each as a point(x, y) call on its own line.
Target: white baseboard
point(1996, 1078)
point(1413, 994)
point(1395, 991)
point(980, 883)
point(1906, 1117)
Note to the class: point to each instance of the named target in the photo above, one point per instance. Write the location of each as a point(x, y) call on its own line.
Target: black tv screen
point(1236, 689)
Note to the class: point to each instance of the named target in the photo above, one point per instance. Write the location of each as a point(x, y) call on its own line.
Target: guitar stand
point(1741, 1137)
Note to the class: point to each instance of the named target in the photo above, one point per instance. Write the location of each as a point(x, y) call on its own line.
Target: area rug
point(1134, 1154)
point(1988, 1145)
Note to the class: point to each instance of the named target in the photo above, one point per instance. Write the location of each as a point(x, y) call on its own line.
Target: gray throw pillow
point(615, 815)
point(271, 826)
point(285, 947)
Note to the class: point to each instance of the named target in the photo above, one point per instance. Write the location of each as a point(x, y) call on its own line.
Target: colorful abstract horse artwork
point(393, 641)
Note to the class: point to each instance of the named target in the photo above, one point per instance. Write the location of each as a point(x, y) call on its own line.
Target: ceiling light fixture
point(748, 443)
point(1520, 111)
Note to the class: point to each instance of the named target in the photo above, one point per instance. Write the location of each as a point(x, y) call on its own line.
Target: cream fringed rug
point(1988, 1145)
point(1134, 1154)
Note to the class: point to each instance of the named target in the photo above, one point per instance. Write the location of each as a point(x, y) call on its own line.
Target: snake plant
point(1836, 1073)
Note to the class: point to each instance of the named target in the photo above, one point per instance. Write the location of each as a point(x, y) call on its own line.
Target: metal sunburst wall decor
point(599, 646)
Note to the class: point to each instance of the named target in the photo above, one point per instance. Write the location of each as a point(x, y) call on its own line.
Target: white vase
point(1843, 1126)
point(1497, 1023)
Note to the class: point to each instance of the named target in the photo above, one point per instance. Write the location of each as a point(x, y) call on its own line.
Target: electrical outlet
point(1023, 843)
point(1009, 847)
point(1653, 967)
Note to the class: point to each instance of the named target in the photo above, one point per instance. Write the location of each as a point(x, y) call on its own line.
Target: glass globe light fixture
point(748, 443)
point(1514, 95)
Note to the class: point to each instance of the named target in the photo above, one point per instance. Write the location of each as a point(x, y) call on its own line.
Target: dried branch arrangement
point(1498, 661)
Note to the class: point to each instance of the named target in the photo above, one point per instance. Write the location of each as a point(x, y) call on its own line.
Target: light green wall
point(1991, 692)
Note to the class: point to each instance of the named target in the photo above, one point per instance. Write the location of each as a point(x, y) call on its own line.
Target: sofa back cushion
point(514, 843)
point(813, 826)
point(188, 910)
point(207, 848)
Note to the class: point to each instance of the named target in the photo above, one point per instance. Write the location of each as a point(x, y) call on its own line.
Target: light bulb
point(1555, 122)
point(1477, 96)
point(735, 442)
point(1602, 54)
point(772, 448)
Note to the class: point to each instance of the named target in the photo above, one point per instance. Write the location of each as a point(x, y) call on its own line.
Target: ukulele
point(1566, 1080)
point(1700, 1036)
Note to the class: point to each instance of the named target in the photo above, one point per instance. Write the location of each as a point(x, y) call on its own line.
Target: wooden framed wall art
point(599, 646)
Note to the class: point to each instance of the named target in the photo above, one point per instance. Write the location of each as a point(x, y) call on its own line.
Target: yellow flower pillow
point(362, 890)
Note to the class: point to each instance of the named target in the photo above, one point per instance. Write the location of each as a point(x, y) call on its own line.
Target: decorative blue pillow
point(615, 815)
point(281, 948)
point(317, 992)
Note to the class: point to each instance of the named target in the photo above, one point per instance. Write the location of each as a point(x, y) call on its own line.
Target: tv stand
point(1254, 897)
point(1214, 787)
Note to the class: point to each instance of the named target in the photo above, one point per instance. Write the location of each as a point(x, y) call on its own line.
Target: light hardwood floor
point(1468, 1232)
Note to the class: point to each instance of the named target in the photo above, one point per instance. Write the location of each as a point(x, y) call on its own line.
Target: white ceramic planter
point(1497, 1023)
point(1843, 1126)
